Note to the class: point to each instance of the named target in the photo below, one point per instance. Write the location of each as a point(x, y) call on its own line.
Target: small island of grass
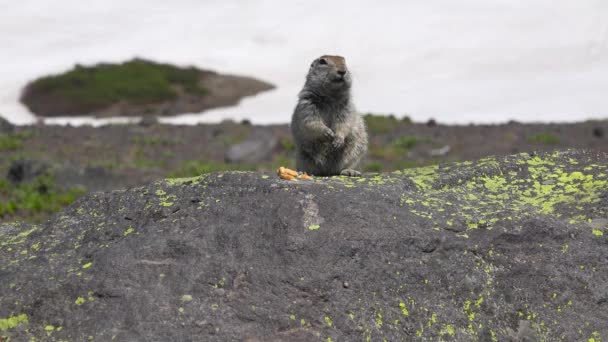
point(136, 87)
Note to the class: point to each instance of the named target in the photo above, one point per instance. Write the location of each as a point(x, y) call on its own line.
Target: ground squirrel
point(330, 137)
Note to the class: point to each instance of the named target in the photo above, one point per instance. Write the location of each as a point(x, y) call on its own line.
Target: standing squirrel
point(330, 137)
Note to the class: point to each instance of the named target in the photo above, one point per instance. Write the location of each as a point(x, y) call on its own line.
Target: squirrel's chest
point(334, 119)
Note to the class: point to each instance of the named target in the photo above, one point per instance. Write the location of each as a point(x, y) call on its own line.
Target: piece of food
point(305, 176)
point(289, 174)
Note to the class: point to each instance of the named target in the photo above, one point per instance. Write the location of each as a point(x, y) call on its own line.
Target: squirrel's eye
point(322, 61)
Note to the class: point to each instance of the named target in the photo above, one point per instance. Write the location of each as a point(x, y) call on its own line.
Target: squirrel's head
point(329, 73)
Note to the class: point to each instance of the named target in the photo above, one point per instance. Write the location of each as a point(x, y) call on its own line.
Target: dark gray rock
point(5, 126)
point(147, 121)
point(258, 147)
point(25, 170)
point(598, 132)
point(462, 252)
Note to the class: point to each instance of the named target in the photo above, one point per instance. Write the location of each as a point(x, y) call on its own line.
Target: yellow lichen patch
point(432, 320)
point(314, 227)
point(49, 329)
point(403, 308)
point(328, 321)
point(595, 337)
point(423, 177)
point(12, 321)
point(79, 301)
point(128, 231)
point(597, 232)
point(448, 329)
point(165, 200)
point(492, 195)
point(467, 310)
point(180, 181)
point(87, 265)
point(379, 319)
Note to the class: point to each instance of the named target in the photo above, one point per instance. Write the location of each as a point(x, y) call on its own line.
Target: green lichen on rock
point(314, 227)
point(128, 231)
point(12, 321)
point(546, 185)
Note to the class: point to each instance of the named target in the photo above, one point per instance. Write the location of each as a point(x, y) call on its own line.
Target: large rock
point(503, 249)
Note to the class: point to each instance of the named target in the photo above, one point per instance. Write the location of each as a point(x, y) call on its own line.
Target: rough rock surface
point(501, 249)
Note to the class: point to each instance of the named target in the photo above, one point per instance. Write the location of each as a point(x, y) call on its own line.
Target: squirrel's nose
point(341, 72)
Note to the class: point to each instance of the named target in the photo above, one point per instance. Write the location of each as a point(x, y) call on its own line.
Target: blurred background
point(456, 61)
point(216, 82)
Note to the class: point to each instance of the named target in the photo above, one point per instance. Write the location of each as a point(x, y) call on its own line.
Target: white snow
point(456, 61)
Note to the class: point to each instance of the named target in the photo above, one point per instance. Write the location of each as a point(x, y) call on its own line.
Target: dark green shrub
point(373, 167)
point(378, 124)
point(544, 138)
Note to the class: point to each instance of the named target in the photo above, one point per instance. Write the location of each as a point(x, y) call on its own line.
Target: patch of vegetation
point(142, 160)
point(234, 137)
point(279, 160)
point(410, 164)
point(287, 144)
point(544, 138)
point(373, 167)
point(395, 150)
point(405, 142)
point(106, 164)
point(146, 163)
point(34, 200)
point(13, 141)
point(85, 89)
point(155, 141)
point(378, 124)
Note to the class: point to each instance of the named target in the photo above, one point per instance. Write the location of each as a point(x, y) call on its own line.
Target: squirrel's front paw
point(338, 141)
point(329, 134)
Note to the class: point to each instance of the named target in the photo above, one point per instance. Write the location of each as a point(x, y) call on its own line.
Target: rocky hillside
point(512, 248)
